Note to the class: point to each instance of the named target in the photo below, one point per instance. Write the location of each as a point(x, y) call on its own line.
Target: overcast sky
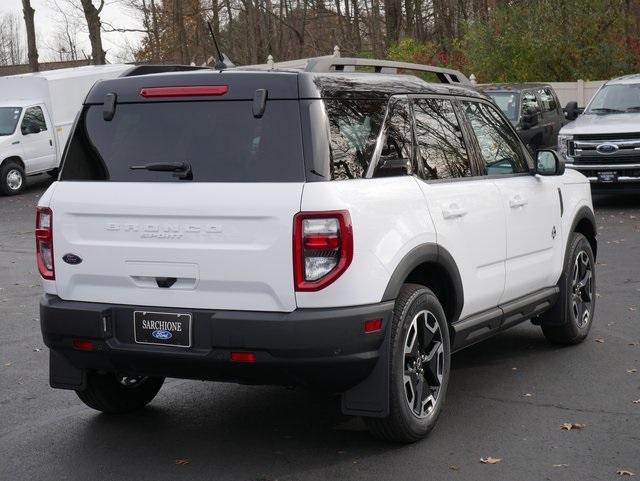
point(48, 22)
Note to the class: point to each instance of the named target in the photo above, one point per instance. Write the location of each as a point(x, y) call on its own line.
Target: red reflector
point(321, 242)
point(243, 357)
point(187, 91)
point(372, 325)
point(83, 345)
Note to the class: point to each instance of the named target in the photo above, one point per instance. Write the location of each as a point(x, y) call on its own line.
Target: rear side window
point(221, 140)
point(354, 126)
point(530, 104)
point(441, 150)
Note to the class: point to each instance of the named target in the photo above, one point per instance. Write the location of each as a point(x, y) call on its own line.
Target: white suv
point(315, 226)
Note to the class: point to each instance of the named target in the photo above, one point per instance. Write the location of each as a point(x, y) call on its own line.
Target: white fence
point(580, 91)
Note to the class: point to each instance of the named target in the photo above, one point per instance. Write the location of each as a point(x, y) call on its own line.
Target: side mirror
point(571, 111)
point(548, 163)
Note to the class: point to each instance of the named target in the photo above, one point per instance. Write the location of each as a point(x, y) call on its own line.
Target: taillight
point(44, 242)
point(322, 248)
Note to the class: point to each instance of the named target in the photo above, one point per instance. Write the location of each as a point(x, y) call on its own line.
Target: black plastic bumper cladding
point(324, 348)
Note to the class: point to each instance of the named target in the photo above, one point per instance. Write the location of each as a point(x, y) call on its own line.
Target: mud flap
point(63, 375)
point(371, 397)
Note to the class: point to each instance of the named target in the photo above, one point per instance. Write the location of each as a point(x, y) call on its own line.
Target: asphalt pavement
point(508, 398)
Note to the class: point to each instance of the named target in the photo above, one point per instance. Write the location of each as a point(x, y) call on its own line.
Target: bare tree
point(94, 25)
point(29, 13)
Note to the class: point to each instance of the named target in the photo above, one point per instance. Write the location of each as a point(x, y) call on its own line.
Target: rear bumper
point(319, 347)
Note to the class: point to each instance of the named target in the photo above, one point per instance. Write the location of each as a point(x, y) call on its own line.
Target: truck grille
point(606, 149)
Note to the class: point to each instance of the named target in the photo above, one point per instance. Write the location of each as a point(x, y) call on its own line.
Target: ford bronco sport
point(321, 226)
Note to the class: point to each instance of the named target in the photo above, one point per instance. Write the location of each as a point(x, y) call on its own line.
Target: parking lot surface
point(507, 399)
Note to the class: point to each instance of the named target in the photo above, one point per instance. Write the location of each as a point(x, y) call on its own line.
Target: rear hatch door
point(216, 237)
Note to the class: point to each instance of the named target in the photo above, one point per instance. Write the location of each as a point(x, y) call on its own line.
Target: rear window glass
point(354, 126)
point(222, 141)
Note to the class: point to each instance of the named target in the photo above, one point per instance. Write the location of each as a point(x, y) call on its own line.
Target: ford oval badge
point(607, 148)
point(162, 334)
point(72, 259)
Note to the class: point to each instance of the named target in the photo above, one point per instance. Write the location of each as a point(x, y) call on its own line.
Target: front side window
point(33, 121)
point(354, 126)
point(530, 104)
point(499, 146)
point(395, 157)
point(9, 119)
point(547, 99)
point(441, 151)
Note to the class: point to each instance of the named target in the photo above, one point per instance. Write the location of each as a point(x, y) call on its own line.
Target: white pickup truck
point(36, 115)
point(603, 143)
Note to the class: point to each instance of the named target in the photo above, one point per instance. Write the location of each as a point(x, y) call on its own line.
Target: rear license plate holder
point(162, 328)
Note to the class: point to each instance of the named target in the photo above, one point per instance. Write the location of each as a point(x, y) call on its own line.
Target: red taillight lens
point(243, 357)
point(372, 325)
point(322, 248)
point(44, 242)
point(186, 91)
point(83, 345)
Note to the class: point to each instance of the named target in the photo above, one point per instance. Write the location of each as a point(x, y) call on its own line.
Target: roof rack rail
point(137, 70)
point(330, 63)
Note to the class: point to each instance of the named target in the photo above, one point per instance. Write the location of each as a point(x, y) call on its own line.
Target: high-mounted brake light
point(185, 91)
point(44, 242)
point(322, 248)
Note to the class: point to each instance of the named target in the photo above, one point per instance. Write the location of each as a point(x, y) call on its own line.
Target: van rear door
point(216, 233)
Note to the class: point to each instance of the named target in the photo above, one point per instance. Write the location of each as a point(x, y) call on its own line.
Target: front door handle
point(51, 142)
point(453, 211)
point(517, 201)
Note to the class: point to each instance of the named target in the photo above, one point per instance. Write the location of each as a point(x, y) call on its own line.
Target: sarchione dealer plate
point(162, 328)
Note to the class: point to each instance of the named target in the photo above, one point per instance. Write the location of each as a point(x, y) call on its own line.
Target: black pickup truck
point(533, 109)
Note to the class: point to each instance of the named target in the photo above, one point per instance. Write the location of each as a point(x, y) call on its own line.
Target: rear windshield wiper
point(181, 170)
point(606, 110)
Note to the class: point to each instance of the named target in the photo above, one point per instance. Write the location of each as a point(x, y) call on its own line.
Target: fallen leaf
point(36, 349)
point(560, 465)
point(600, 340)
point(454, 467)
point(570, 426)
point(514, 368)
point(528, 394)
point(637, 401)
point(490, 460)
point(624, 472)
point(632, 308)
point(631, 371)
point(182, 462)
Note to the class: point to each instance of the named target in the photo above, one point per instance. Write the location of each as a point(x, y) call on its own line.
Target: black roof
point(280, 84)
point(511, 87)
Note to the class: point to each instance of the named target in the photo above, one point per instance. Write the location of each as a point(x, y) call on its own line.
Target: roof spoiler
point(137, 70)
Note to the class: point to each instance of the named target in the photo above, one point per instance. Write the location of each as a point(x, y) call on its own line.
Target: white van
point(37, 112)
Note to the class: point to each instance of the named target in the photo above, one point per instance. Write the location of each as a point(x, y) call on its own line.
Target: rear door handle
point(517, 201)
point(453, 211)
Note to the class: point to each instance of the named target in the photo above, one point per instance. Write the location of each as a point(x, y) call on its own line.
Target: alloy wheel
point(423, 363)
point(582, 289)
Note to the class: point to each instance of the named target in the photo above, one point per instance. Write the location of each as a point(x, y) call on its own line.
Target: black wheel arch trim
point(421, 254)
point(584, 213)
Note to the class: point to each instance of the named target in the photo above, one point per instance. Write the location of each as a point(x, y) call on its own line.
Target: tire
point(417, 311)
point(116, 394)
point(568, 322)
point(12, 178)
